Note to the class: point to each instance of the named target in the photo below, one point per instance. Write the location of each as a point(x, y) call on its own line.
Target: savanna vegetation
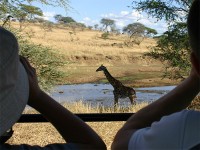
point(45, 133)
point(68, 52)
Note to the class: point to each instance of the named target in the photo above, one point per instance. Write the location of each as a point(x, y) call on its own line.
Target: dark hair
point(193, 24)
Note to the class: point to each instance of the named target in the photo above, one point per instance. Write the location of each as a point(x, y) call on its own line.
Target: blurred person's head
point(14, 87)
point(193, 24)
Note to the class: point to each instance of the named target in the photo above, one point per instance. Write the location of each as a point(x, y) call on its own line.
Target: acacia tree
point(137, 32)
point(44, 60)
point(96, 26)
point(17, 7)
point(27, 12)
point(59, 18)
point(107, 23)
point(173, 46)
point(134, 29)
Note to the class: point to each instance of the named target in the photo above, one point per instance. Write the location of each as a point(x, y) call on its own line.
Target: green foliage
point(137, 32)
point(67, 19)
point(61, 19)
point(150, 32)
point(57, 17)
point(96, 26)
point(134, 29)
point(22, 8)
point(173, 49)
point(173, 46)
point(138, 29)
point(75, 25)
point(107, 22)
point(169, 10)
point(29, 11)
point(44, 60)
point(105, 35)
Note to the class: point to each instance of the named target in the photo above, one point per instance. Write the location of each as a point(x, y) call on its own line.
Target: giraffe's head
point(101, 68)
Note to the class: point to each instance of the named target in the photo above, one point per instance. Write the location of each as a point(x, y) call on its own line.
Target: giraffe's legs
point(116, 97)
point(115, 102)
point(131, 97)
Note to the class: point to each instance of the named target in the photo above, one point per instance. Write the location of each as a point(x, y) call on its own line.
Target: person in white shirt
point(166, 124)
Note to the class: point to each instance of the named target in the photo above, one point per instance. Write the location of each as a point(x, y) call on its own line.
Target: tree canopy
point(107, 23)
point(60, 18)
point(23, 8)
point(42, 58)
point(138, 29)
point(173, 46)
point(169, 10)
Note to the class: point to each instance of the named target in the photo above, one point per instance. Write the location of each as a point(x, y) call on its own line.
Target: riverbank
point(102, 94)
point(133, 75)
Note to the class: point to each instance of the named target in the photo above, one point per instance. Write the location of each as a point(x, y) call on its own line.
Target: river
point(102, 94)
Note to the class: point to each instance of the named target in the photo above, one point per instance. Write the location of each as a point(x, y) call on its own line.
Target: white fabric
point(14, 88)
point(179, 131)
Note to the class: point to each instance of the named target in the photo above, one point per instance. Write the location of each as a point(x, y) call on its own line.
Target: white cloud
point(125, 17)
point(89, 22)
point(121, 19)
point(120, 24)
point(124, 12)
point(86, 19)
point(48, 15)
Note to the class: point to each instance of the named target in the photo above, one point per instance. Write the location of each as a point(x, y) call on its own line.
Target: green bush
point(105, 35)
point(44, 60)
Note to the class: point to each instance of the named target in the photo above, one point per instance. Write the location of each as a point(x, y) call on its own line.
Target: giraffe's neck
point(110, 78)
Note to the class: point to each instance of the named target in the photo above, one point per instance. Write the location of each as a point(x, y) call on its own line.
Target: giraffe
point(120, 91)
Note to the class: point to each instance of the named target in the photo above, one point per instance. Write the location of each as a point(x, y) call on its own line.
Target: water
point(103, 94)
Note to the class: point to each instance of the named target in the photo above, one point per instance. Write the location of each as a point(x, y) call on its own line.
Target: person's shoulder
point(189, 114)
point(161, 133)
point(184, 114)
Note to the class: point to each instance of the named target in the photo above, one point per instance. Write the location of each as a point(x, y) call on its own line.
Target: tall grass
point(45, 133)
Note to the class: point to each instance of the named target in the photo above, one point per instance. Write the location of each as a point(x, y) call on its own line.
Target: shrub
point(105, 35)
point(44, 60)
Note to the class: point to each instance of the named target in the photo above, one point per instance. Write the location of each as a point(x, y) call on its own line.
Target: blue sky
point(90, 12)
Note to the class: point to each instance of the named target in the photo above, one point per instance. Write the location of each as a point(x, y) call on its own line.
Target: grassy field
point(86, 51)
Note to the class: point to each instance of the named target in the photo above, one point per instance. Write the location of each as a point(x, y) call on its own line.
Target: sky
point(90, 12)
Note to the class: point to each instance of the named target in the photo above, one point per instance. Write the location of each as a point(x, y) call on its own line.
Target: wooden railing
point(90, 117)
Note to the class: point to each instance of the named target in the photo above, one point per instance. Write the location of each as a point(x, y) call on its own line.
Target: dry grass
point(86, 51)
point(86, 43)
point(45, 133)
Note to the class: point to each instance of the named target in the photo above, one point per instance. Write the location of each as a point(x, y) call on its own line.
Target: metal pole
point(92, 117)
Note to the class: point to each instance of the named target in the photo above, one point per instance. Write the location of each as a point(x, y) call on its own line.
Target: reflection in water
point(102, 94)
